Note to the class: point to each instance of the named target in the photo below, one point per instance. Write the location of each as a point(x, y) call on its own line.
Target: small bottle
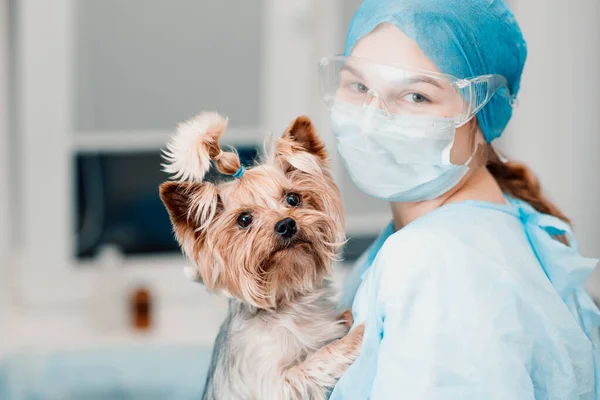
point(141, 309)
point(109, 299)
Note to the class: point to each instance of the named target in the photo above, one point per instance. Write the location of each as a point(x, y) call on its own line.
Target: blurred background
point(93, 301)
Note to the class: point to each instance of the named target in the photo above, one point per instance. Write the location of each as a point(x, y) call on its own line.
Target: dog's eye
point(244, 220)
point(293, 199)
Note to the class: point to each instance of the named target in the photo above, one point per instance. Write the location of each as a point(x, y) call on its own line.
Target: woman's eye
point(244, 220)
point(416, 98)
point(293, 199)
point(359, 87)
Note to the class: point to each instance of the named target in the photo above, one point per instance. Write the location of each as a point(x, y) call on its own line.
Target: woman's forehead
point(386, 44)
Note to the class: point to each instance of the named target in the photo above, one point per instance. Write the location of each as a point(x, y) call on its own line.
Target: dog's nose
point(286, 228)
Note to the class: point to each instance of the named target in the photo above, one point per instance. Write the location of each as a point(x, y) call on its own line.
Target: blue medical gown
point(474, 301)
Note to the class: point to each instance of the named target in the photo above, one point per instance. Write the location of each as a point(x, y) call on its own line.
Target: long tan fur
point(282, 315)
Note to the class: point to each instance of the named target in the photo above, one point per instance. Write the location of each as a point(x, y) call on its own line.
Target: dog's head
point(267, 236)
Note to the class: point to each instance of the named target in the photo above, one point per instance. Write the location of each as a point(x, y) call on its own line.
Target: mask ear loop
point(490, 84)
point(503, 159)
point(478, 143)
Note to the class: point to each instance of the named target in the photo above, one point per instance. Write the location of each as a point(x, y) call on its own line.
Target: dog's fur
point(280, 338)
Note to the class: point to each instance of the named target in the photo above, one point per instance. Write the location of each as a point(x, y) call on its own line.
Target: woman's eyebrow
point(404, 80)
point(352, 70)
point(420, 79)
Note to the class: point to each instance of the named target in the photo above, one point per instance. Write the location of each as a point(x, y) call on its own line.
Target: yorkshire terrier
point(267, 240)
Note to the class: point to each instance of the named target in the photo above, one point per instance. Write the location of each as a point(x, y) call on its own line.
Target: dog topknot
point(194, 145)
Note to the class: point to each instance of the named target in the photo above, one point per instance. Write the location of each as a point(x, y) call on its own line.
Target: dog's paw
point(360, 331)
point(355, 338)
point(346, 317)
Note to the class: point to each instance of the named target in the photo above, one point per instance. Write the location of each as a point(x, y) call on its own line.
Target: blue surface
point(127, 374)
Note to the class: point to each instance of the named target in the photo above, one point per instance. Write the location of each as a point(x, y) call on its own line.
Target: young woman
point(475, 291)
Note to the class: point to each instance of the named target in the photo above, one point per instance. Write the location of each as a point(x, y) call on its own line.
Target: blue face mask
point(396, 158)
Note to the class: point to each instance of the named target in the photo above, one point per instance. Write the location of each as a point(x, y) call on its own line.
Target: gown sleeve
point(471, 303)
point(445, 335)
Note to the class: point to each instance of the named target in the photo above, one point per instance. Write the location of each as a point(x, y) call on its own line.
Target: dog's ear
point(304, 137)
point(300, 146)
point(192, 207)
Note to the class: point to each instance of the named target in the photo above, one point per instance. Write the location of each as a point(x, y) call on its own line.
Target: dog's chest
point(280, 342)
point(257, 346)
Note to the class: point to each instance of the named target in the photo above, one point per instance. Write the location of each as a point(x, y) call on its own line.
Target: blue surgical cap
point(463, 38)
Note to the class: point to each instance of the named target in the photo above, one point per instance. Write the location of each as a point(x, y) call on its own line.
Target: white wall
point(556, 127)
point(4, 163)
point(122, 46)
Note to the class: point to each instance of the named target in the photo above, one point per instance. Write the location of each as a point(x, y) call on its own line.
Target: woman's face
point(389, 46)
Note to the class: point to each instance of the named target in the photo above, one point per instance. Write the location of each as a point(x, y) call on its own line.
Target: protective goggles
point(402, 91)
